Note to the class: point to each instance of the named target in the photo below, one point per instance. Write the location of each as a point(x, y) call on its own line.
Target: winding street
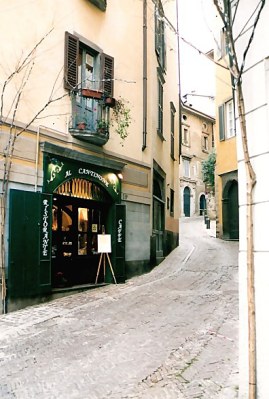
point(171, 333)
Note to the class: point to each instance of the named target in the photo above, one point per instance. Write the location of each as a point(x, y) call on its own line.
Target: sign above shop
point(58, 170)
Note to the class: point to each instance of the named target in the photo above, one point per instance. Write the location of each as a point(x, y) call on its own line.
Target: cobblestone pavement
point(171, 333)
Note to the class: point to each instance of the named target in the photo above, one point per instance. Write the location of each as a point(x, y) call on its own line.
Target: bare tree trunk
point(250, 184)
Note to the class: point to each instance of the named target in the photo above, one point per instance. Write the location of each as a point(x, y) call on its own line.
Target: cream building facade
point(74, 176)
point(197, 143)
point(255, 83)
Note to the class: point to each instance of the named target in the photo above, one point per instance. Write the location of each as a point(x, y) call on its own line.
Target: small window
point(205, 143)
point(161, 82)
point(172, 129)
point(186, 136)
point(226, 120)
point(160, 45)
point(186, 167)
point(204, 127)
point(172, 199)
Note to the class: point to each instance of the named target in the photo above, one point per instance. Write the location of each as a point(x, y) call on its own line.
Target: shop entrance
point(76, 222)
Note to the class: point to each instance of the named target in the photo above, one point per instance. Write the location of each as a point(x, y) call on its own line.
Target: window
point(160, 46)
point(89, 74)
point(204, 143)
point(172, 128)
point(172, 199)
point(186, 167)
point(226, 120)
point(222, 44)
point(186, 136)
point(160, 103)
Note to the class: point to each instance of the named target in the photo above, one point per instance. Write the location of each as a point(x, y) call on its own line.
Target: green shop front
point(55, 235)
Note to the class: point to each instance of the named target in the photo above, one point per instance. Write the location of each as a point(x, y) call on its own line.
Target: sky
point(197, 72)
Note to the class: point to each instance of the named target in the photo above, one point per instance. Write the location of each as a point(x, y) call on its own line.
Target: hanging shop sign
point(58, 170)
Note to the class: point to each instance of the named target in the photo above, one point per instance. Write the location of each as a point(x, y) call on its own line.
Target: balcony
point(90, 119)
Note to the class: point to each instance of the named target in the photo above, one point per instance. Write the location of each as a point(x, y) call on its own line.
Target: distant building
point(197, 138)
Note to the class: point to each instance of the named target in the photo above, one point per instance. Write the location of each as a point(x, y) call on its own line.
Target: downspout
point(37, 156)
point(145, 77)
point(179, 90)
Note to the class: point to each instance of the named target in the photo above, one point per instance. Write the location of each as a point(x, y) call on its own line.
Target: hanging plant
point(121, 118)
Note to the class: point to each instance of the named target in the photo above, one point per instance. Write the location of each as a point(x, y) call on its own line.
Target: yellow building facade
point(226, 177)
point(90, 123)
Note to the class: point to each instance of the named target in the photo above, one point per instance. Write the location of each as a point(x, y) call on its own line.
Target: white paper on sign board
point(104, 243)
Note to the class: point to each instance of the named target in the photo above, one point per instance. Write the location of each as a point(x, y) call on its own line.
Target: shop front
point(54, 235)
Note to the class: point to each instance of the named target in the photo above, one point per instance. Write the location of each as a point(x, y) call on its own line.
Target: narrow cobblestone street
point(171, 333)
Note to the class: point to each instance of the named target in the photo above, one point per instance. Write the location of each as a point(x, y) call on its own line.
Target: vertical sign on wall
point(120, 242)
point(45, 231)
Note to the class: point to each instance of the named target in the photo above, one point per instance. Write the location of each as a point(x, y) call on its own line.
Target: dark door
point(187, 201)
point(29, 272)
point(202, 204)
point(233, 211)
point(158, 225)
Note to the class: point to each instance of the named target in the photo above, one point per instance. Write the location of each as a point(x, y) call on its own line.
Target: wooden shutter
point(29, 269)
point(222, 122)
point(71, 61)
point(107, 74)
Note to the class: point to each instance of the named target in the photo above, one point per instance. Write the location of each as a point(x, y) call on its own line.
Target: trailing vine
point(121, 118)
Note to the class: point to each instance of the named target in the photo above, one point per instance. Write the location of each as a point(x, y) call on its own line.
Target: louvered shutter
point(221, 123)
point(108, 74)
point(71, 61)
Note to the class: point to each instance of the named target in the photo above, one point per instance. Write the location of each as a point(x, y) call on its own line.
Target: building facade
point(89, 143)
point(255, 86)
point(197, 143)
point(227, 222)
point(255, 79)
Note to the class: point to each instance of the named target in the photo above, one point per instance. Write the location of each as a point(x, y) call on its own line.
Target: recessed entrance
point(187, 201)
point(79, 213)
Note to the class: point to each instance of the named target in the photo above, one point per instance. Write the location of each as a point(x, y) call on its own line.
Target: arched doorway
point(79, 213)
point(230, 211)
point(187, 201)
point(202, 204)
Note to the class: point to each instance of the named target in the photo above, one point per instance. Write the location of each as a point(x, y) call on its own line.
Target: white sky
point(197, 72)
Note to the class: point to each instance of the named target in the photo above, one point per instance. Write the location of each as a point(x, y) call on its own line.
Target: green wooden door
point(29, 272)
point(233, 211)
point(116, 227)
point(187, 201)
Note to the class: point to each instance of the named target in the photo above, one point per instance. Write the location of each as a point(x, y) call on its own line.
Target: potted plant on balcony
point(102, 126)
point(81, 125)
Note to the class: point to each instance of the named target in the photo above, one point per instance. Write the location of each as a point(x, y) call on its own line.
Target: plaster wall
point(255, 86)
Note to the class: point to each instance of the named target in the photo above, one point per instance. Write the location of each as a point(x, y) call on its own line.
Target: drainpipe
point(145, 78)
point(37, 156)
point(179, 88)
